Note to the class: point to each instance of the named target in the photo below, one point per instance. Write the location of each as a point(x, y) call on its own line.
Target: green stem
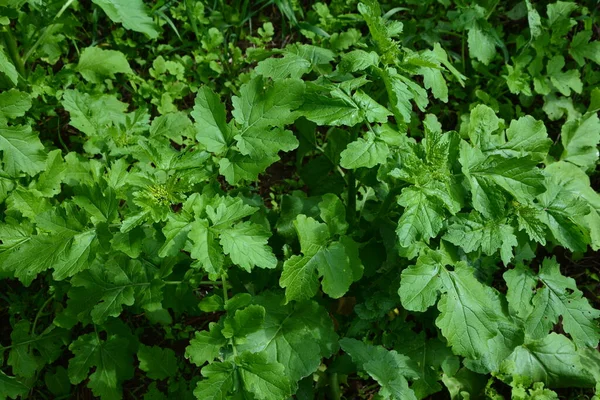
point(46, 32)
point(192, 19)
point(224, 283)
point(37, 316)
point(351, 209)
point(13, 52)
point(202, 283)
point(492, 10)
point(37, 339)
point(389, 199)
point(60, 139)
point(334, 387)
point(464, 60)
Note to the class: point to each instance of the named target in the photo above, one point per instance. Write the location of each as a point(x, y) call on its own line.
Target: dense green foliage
point(275, 199)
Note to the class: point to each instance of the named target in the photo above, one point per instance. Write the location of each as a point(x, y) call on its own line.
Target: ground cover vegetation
point(282, 199)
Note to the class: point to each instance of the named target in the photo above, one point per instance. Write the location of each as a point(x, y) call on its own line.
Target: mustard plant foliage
point(261, 200)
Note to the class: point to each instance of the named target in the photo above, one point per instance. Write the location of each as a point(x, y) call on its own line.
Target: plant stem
point(202, 283)
point(192, 19)
point(44, 34)
point(37, 316)
point(489, 14)
point(224, 283)
point(13, 52)
point(464, 61)
point(351, 209)
point(389, 199)
point(334, 387)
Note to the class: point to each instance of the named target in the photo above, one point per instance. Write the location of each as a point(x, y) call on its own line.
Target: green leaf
point(320, 258)
point(333, 265)
point(99, 201)
point(388, 368)
point(27, 203)
point(22, 151)
point(559, 297)
point(577, 183)
point(489, 176)
point(13, 104)
point(442, 57)
point(297, 60)
point(472, 232)
point(434, 80)
point(67, 253)
point(266, 380)
point(468, 312)
point(92, 114)
point(206, 345)
point(205, 248)
point(483, 122)
point(559, 17)
point(421, 283)
point(399, 94)
point(158, 363)
point(525, 137)
point(590, 360)
point(103, 290)
point(372, 110)
point(227, 210)
point(7, 67)
point(358, 60)
point(78, 254)
point(153, 393)
point(333, 111)
point(259, 143)
point(387, 48)
point(364, 153)
point(10, 387)
point(564, 82)
point(299, 278)
point(112, 362)
point(173, 126)
point(580, 139)
point(333, 212)
point(534, 20)
point(295, 335)
point(176, 232)
point(129, 243)
point(21, 358)
point(6, 186)
point(30, 352)
point(434, 188)
point(521, 283)
point(244, 322)
point(96, 63)
point(211, 125)
point(422, 218)
point(289, 66)
point(552, 360)
point(431, 355)
point(246, 244)
point(468, 309)
point(48, 182)
point(482, 45)
point(218, 381)
point(259, 107)
point(581, 48)
point(560, 211)
point(238, 168)
point(131, 13)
